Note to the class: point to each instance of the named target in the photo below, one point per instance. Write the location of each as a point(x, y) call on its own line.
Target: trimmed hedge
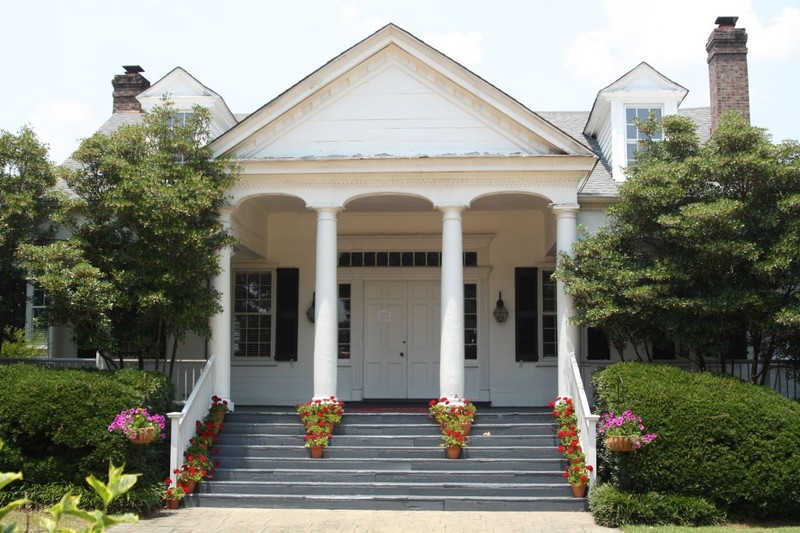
point(729, 442)
point(55, 426)
point(613, 508)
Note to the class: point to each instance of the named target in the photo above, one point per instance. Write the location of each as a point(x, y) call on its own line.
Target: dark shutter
point(286, 313)
point(598, 347)
point(527, 313)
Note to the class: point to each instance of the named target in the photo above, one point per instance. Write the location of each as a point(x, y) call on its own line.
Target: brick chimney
point(126, 87)
point(727, 69)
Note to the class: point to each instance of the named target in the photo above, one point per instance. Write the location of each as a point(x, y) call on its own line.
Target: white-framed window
point(548, 313)
point(343, 312)
point(632, 133)
point(252, 314)
point(37, 333)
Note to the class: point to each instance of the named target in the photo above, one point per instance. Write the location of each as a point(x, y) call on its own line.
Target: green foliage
point(729, 442)
point(701, 248)
point(26, 176)
point(613, 508)
point(145, 230)
point(55, 423)
point(16, 346)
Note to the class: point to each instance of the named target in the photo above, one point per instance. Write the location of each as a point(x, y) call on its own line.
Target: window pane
point(253, 314)
point(344, 259)
point(394, 259)
point(630, 114)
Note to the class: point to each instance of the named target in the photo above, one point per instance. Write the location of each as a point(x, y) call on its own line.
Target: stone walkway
point(209, 519)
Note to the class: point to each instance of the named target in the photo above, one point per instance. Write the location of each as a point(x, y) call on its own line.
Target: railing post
point(176, 444)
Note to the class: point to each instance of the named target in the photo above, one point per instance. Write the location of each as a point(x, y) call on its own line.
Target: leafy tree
point(701, 250)
point(26, 176)
point(143, 217)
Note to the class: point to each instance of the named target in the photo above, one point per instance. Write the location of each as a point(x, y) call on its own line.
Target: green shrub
point(729, 442)
point(17, 346)
point(613, 508)
point(55, 424)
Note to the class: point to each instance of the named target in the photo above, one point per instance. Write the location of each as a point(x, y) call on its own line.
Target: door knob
point(402, 354)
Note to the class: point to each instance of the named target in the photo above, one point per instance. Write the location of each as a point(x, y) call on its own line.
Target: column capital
point(450, 212)
point(565, 210)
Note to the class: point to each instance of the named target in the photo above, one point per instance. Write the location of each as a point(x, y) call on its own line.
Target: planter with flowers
point(316, 440)
point(625, 432)
point(573, 452)
point(578, 476)
point(218, 409)
point(190, 475)
point(448, 412)
point(172, 496)
point(139, 426)
point(453, 440)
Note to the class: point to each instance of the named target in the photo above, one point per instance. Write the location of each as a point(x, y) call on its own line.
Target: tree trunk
point(174, 356)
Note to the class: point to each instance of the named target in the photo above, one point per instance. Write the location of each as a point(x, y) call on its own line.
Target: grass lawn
point(728, 528)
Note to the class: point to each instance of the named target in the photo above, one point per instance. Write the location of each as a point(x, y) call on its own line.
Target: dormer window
point(632, 133)
point(179, 118)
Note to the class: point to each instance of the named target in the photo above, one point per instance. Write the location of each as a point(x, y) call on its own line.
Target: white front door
point(401, 339)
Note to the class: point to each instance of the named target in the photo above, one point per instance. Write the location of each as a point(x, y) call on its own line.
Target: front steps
point(386, 460)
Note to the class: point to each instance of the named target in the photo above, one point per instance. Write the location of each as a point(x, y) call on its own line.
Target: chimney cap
point(132, 69)
point(726, 22)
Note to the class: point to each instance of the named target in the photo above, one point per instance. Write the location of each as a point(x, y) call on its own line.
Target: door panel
point(384, 340)
point(424, 320)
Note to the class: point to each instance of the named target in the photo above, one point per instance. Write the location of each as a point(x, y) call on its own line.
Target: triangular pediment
point(185, 91)
point(641, 85)
point(393, 96)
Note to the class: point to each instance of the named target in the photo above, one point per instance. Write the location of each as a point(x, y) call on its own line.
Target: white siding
point(392, 113)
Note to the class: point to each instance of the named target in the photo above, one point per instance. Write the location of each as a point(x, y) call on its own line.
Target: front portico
point(401, 195)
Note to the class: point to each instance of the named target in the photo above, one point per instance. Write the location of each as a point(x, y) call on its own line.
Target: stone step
point(389, 476)
point(395, 502)
point(389, 418)
point(323, 487)
point(401, 464)
point(349, 428)
point(414, 452)
point(375, 441)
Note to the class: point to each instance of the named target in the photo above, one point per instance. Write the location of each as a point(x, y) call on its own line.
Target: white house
point(390, 207)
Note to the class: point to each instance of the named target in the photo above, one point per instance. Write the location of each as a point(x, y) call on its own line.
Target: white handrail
point(183, 422)
point(587, 422)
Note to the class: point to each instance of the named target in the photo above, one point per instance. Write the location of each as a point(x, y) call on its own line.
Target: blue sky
point(57, 57)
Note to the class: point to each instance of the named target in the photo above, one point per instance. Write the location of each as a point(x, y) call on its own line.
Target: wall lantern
point(500, 312)
point(310, 311)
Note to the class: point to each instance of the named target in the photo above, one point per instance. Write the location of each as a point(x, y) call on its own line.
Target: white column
point(568, 334)
point(326, 325)
point(451, 357)
point(220, 343)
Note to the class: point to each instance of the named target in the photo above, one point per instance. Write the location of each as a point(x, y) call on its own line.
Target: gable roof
point(640, 84)
point(417, 62)
point(186, 91)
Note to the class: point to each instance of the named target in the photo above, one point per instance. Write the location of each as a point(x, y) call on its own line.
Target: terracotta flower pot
point(189, 485)
point(173, 504)
point(578, 491)
point(317, 451)
point(576, 461)
point(466, 428)
point(453, 452)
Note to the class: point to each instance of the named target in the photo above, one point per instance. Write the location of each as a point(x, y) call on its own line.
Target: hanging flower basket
point(144, 436)
point(620, 444)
